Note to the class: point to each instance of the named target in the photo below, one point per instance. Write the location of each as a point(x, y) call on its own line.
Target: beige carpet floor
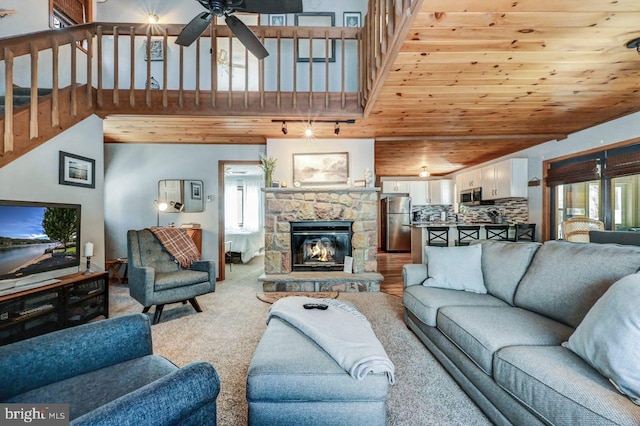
point(229, 329)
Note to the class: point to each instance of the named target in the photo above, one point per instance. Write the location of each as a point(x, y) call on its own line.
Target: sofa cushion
point(608, 338)
point(424, 302)
point(181, 278)
point(480, 331)
point(94, 389)
point(457, 268)
point(565, 279)
point(499, 280)
point(560, 387)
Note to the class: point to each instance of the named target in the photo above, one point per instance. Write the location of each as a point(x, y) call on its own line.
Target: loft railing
point(386, 27)
point(108, 68)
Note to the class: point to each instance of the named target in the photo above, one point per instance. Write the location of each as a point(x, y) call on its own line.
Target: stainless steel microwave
point(471, 197)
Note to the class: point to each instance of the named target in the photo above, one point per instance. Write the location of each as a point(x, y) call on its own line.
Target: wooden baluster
point(74, 77)
point(55, 83)
point(132, 77)
point(116, 68)
point(197, 100)
point(230, 92)
point(295, 70)
point(261, 75)
point(310, 69)
point(89, 38)
point(246, 78)
point(99, 41)
point(214, 64)
point(165, 77)
point(343, 98)
point(326, 69)
point(181, 87)
point(279, 70)
point(8, 101)
point(148, 55)
point(33, 104)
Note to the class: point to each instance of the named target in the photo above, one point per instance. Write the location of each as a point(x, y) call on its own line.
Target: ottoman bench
point(292, 381)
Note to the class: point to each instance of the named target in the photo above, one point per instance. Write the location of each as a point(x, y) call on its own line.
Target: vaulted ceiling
point(473, 81)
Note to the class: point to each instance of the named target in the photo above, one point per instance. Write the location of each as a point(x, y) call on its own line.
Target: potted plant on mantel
point(268, 166)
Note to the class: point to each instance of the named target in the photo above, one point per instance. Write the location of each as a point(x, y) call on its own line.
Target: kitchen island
point(419, 235)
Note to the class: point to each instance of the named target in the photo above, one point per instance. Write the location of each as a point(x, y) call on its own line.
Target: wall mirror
point(188, 192)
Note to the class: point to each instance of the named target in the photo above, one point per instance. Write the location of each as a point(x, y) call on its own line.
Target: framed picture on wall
point(278, 20)
point(156, 51)
point(196, 191)
point(321, 168)
point(319, 45)
point(75, 170)
point(352, 19)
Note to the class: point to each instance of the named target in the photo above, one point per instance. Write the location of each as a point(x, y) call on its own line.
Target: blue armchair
point(156, 279)
point(106, 371)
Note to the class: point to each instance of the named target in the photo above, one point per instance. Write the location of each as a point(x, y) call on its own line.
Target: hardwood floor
point(390, 266)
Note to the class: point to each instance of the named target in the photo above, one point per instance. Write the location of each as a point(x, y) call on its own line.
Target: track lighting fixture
point(308, 132)
point(424, 173)
point(634, 44)
point(152, 18)
point(284, 128)
point(308, 125)
point(336, 129)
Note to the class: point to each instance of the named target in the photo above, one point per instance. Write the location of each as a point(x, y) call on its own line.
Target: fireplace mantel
point(356, 204)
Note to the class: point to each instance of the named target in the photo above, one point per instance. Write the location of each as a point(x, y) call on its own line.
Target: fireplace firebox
point(320, 245)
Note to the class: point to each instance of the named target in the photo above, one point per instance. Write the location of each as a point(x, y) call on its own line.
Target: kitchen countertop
point(425, 224)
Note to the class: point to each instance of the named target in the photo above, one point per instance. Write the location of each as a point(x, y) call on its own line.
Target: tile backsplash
point(515, 210)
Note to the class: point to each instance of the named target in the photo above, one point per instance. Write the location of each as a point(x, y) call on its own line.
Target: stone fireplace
point(317, 219)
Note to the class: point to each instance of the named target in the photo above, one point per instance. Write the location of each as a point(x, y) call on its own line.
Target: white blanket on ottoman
point(341, 330)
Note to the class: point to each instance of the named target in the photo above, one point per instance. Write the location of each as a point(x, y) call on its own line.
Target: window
point(240, 206)
point(603, 186)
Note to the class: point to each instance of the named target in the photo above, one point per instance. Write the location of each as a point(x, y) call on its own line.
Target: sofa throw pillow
point(457, 268)
point(608, 338)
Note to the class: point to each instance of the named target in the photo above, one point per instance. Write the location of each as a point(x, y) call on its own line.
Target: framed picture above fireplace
point(321, 168)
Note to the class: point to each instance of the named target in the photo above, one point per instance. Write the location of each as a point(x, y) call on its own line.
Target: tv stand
point(75, 299)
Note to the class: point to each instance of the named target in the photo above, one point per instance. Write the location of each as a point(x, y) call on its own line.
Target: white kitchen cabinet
point(506, 179)
point(469, 180)
point(395, 187)
point(419, 192)
point(440, 192)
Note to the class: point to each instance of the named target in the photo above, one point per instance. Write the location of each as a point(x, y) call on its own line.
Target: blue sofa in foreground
point(106, 371)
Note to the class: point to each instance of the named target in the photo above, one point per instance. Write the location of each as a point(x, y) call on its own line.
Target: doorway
point(240, 228)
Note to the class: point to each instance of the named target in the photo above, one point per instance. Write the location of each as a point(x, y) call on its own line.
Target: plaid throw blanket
point(178, 243)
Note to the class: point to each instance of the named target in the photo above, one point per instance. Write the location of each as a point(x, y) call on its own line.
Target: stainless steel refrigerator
point(396, 223)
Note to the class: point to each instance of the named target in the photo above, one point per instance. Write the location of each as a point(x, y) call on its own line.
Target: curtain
point(230, 204)
point(253, 205)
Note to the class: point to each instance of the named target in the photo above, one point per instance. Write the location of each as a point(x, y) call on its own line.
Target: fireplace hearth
point(320, 245)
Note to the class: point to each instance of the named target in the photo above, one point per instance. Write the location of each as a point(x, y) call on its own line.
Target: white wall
point(132, 172)
point(361, 155)
point(34, 177)
point(599, 136)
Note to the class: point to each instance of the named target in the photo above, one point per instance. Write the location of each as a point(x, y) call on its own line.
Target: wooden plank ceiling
point(474, 80)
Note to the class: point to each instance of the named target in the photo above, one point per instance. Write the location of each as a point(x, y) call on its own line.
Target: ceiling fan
point(226, 8)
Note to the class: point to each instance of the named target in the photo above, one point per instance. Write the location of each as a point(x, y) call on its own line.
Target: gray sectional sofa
point(504, 347)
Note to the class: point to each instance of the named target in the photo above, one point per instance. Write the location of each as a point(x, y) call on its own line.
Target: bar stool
point(524, 232)
point(467, 233)
point(438, 236)
point(497, 232)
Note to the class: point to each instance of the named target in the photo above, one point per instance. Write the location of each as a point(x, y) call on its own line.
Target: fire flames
point(320, 252)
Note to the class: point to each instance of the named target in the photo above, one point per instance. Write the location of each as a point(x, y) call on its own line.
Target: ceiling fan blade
point(246, 37)
point(272, 6)
point(194, 28)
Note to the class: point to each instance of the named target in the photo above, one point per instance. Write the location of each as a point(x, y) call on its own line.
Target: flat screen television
point(38, 241)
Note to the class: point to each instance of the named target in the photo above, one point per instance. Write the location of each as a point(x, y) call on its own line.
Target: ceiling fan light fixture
point(634, 44)
point(424, 173)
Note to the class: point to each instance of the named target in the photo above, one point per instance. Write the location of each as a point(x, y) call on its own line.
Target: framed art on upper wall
point(352, 19)
point(156, 53)
point(319, 46)
point(278, 20)
point(76, 171)
point(321, 168)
